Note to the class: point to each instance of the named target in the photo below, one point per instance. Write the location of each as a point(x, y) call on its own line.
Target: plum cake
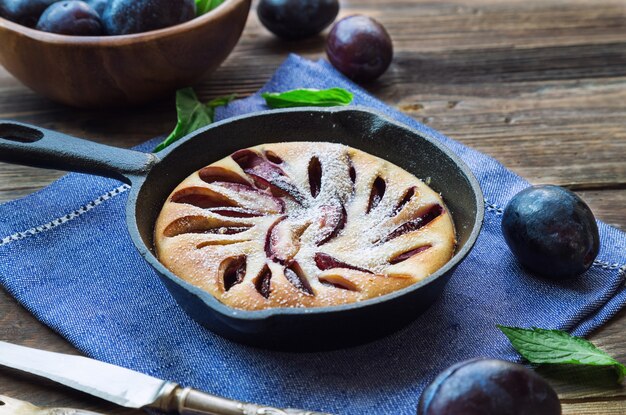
point(302, 224)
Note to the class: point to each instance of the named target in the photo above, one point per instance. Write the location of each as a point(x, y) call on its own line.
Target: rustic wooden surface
point(538, 84)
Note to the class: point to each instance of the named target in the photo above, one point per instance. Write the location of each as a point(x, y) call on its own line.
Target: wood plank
point(608, 206)
point(592, 408)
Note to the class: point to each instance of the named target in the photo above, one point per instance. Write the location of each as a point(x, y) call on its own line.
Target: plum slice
point(202, 198)
point(252, 198)
point(377, 194)
point(315, 176)
point(405, 199)
point(282, 241)
point(273, 239)
point(253, 163)
point(408, 254)
point(273, 157)
point(325, 261)
point(229, 195)
point(431, 214)
point(333, 220)
point(263, 282)
point(295, 275)
point(352, 173)
point(267, 175)
point(338, 281)
point(233, 271)
point(201, 224)
point(220, 242)
point(212, 174)
point(236, 212)
point(284, 188)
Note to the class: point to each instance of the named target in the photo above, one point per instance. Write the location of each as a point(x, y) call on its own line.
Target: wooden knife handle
point(192, 402)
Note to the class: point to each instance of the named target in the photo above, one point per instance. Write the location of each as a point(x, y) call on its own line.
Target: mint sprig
point(192, 114)
point(205, 6)
point(542, 346)
point(308, 97)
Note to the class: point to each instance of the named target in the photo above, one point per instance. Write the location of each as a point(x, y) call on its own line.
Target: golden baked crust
point(302, 224)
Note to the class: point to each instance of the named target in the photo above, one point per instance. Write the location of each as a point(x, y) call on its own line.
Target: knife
point(126, 387)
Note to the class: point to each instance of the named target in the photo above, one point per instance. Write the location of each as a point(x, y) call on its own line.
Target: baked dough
point(302, 224)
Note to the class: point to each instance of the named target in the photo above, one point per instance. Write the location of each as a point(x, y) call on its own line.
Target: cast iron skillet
point(154, 176)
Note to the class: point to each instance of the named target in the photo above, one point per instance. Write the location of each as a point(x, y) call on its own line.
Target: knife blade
point(121, 386)
point(127, 387)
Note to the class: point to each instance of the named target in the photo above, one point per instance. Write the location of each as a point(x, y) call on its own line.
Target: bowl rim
point(117, 40)
point(228, 312)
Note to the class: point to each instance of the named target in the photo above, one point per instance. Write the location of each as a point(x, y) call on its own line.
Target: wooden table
point(538, 84)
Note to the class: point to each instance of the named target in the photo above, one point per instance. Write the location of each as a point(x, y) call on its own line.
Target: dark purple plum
point(71, 18)
point(98, 5)
point(489, 387)
point(551, 231)
point(123, 17)
point(297, 19)
point(360, 48)
point(24, 12)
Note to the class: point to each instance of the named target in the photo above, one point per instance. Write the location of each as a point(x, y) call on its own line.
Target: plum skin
point(24, 12)
point(489, 387)
point(360, 48)
point(297, 19)
point(70, 18)
point(122, 17)
point(98, 5)
point(551, 231)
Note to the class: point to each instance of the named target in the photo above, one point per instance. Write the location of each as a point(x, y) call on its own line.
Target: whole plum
point(123, 17)
point(360, 48)
point(297, 19)
point(489, 387)
point(551, 231)
point(70, 18)
point(24, 12)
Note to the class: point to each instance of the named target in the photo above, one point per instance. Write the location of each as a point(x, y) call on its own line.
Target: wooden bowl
point(107, 71)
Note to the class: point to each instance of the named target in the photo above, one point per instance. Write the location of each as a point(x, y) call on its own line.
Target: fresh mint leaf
point(192, 114)
point(543, 346)
point(308, 97)
point(220, 101)
point(205, 6)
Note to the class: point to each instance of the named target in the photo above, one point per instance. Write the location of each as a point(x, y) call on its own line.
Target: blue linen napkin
point(66, 256)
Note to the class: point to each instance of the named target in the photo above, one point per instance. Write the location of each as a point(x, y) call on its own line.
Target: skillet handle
point(29, 145)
